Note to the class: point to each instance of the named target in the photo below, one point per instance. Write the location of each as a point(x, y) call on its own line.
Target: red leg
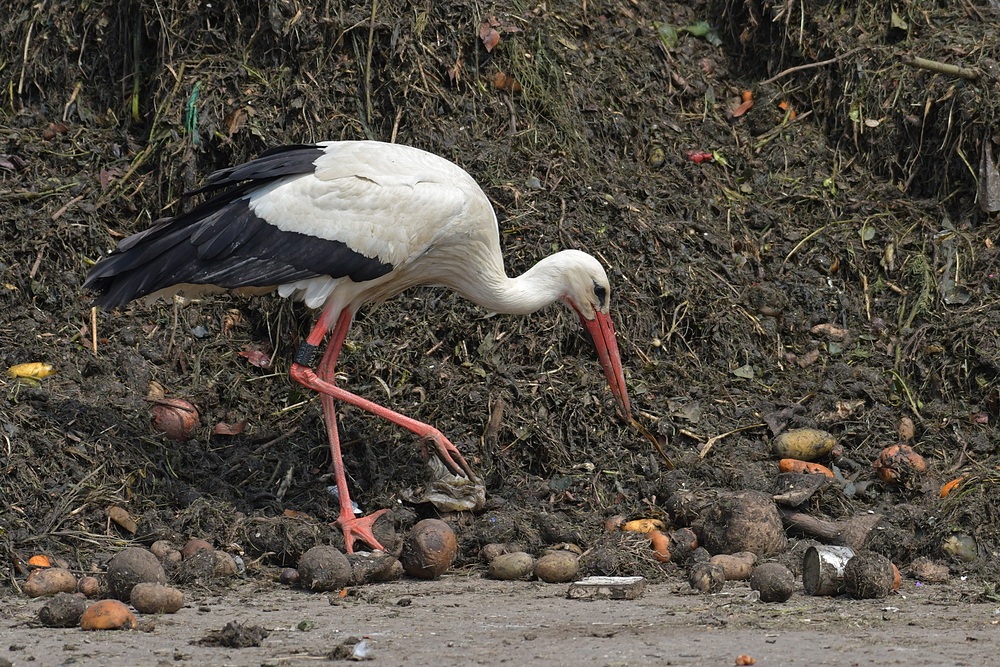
point(355, 528)
point(323, 383)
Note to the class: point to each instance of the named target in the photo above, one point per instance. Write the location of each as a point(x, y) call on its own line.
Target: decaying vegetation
point(826, 258)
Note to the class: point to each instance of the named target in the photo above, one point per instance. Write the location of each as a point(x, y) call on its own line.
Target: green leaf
point(699, 29)
point(668, 34)
point(703, 29)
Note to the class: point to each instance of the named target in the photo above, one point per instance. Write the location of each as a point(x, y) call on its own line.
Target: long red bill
point(602, 333)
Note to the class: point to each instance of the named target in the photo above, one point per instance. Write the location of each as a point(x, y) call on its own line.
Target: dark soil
point(837, 270)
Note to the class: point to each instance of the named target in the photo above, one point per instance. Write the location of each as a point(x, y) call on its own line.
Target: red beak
point(602, 333)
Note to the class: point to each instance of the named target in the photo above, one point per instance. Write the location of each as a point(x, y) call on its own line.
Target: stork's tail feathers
point(224, 243)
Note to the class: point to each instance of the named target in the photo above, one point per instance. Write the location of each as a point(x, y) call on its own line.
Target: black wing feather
point(222, 242)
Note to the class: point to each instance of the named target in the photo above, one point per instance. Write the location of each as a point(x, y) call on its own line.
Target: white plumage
point(341, 224)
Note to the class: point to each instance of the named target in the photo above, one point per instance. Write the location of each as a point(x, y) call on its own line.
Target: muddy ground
point(461, 621)
point(835, 268)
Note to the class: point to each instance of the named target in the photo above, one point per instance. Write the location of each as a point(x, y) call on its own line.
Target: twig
point(38, 261)
point(72, 99)
point(368, 64)
point(58, 214)
point(809, 236)
point(173, 329)
point(656, 443)
point(714, 439)
point(270, 443)
point(24, 57)
point(395, 125)
point(868, 297)
point(970, 73)
point(513, 115)
point(93, 329)
point(799, 68)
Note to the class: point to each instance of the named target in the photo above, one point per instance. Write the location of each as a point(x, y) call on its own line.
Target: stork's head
point(588, 292)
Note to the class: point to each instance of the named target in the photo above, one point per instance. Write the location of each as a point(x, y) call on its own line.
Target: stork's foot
point(360, 528)
point(448, 454)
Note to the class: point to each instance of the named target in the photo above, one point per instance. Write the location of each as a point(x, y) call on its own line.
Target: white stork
point(339, 224)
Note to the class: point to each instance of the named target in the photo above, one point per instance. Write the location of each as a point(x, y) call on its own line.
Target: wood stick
point(969, 73)
point(799, 68)
point(851, 532)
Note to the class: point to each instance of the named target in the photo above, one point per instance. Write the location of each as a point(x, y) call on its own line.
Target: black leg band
point(306, 356)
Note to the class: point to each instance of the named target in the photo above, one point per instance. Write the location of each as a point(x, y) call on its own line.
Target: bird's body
point(341, 224)
point(340, 221)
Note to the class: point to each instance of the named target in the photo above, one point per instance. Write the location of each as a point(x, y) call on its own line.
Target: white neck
point(539, 286)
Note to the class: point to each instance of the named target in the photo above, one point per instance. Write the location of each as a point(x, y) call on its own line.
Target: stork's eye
point(601, 293)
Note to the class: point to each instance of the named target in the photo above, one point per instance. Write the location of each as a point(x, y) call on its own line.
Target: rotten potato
point(494, 549)
point(430, 549)
point(49, 581)
point(773, 581)
point(683, 544)
point(368, 567)
point(899, 464)
point(62, 611)
point(737, 566)
point(961, 547)
point(515, 565)
point(175, 418)
point(743, 521)
point(805, 444)
point(133, 566)
point(557, 567)
point(869, 576)
point(193, 546)
point(89, 586)
point(108, 615)
point(166, 552)
point(150, 598)
point(324, 568)
point(707, 577)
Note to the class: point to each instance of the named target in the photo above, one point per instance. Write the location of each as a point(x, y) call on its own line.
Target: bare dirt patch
point(461, 620)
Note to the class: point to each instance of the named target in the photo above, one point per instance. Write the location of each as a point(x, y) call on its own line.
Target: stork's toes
point(360, 528)
point(449, 456)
